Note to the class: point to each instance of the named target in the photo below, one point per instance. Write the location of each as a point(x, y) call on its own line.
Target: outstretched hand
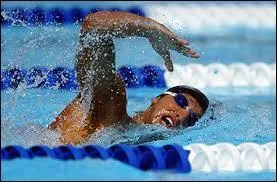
point(162, 44)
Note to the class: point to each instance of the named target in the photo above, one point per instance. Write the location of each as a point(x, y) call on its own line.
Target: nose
point(181, 116)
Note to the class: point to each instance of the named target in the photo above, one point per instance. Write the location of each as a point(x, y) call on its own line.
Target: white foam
point(27, 135)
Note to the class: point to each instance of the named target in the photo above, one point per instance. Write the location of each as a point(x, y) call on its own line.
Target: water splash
point(14, 21)
point(27, 135)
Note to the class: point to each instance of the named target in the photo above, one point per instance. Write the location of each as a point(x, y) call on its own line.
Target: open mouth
point(167, 121)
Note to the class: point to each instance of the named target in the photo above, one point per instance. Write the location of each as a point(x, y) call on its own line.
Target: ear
point(154, 101)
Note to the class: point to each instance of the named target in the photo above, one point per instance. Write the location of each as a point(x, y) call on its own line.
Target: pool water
point(235, 114)
point(237, 118)
point(45, 47)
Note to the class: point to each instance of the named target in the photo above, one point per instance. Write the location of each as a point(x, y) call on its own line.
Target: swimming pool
point(242, 104)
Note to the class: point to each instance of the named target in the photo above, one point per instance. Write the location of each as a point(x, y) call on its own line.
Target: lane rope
point(178, 17)
point(144, 157)
point(37, 16)
point(214, 17)
point(219, 75)
point(197, 75)
point(246, 156)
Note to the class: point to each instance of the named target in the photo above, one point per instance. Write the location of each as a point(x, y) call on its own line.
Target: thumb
point(168, 62)
point(162, 51)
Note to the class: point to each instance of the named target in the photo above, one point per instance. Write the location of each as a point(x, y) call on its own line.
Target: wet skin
point(166, 106)
point(101, 99)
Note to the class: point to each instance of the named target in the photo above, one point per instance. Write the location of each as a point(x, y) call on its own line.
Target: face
point(164, 110)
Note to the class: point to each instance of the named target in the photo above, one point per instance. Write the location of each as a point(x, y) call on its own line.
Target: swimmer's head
point(178, 106)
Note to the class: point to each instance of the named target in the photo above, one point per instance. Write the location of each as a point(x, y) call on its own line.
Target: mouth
point(167, 121)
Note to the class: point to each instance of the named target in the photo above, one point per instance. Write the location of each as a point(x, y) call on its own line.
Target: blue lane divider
point(57, 15)
point(144, 157)
point(64, 78)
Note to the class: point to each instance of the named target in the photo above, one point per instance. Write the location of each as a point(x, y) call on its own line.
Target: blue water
point(88, 169)
point(46, 46)
point(238, 118)
point(240, 114)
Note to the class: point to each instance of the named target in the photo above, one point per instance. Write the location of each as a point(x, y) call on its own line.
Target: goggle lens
point(181, 100)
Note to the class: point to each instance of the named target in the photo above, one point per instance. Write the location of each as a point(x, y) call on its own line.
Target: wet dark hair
point(195, 93)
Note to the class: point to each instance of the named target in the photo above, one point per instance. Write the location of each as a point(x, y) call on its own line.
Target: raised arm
point(101, 100)
point(124, 24)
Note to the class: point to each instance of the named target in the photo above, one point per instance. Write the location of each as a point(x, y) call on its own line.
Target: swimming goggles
point(182, 101)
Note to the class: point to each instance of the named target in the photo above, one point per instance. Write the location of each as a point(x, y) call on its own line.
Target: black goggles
point(182, 101)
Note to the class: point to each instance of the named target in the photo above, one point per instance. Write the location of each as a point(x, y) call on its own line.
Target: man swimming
point(101, 99)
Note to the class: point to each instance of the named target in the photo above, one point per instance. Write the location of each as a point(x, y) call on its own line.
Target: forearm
point(122, 24)
point(95, 64)
point(142, 27)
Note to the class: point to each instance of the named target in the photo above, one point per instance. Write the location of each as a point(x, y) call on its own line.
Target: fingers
point(182, 42)
point(193, 54)
point(187, 51)
point(181, 48)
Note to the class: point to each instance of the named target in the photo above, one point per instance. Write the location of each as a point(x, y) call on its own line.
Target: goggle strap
point(170, 93)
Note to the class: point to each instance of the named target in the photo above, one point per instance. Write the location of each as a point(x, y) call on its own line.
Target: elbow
point(87, 23)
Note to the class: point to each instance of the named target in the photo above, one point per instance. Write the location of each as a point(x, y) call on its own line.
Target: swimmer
point(101, 99)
